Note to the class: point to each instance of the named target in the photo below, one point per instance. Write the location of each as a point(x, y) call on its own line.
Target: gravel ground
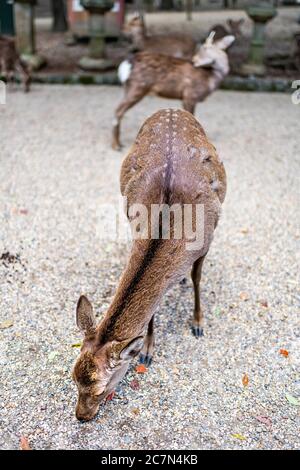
point(56, 168)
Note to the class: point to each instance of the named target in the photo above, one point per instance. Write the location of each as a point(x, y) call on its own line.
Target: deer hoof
point(145, 359)
point(197, 331)
point(116, 146)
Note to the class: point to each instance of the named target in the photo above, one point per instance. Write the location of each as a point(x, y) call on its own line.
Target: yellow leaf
point(239, 436)
point(6, 324)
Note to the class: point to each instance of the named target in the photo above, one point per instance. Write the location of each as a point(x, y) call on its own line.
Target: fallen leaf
point(6, 324)
point(24, 444)
point(284, 352)
point(135, 411)
point(244, 296)
point(134, 384)
point(76, 345)
point(239, 436)
point(52, 355)
point(217, 311)
point(245, 230)
point(245, 380)
point(141, 369)
point(110, 396)
point(264, 420)
point(292, 400)
point(23, 211)
point(264, 303)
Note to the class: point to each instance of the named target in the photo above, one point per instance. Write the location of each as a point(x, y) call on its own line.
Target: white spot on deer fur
point(124, 71)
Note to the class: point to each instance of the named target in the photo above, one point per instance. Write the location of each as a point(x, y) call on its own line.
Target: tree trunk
point(60, 23)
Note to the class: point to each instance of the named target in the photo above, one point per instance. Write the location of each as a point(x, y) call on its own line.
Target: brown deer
point(174, 45)
point(233, 27)
point(10, 62)
point(171, 163)
point(165, 76)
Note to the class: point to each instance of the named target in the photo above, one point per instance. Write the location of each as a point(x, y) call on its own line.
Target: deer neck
point(139, 39)
point(218, 73)
point(153, 266)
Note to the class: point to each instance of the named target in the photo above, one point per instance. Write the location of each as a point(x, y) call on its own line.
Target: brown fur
point(233, 27)
point(175, 45)
point(171, 162)
point(174, 78)
point(10, 62)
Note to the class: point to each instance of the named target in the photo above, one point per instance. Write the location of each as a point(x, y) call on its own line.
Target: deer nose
point(82, 416)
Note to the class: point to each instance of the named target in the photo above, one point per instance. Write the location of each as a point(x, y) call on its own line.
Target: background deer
point(10, 62)
point(172, 78)
point(175, 45)
point(171, 162)
point(234, 28)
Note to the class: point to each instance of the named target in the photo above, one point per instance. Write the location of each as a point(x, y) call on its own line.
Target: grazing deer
point(172, 78)
point(234, 28)
point(10, 62)
point(171, 163)
point(174, 45)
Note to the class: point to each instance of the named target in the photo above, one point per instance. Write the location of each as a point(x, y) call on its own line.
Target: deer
point(174, 45)
point(169, 77)
point(10, 62)
point(171, 163)
point(233, 27)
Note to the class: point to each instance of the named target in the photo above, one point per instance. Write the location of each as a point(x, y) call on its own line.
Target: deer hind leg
point(189, 105)
point(24, 74)
point(198, 313)
point(132, 96)
point(147, 351)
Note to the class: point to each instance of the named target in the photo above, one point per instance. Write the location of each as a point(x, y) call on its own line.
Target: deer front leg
point(133, 95)
point(198, 314)
point(147, 351)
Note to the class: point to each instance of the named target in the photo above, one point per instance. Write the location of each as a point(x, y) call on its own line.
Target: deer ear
point(128, 349)
point(85, 317)
point(225, 42)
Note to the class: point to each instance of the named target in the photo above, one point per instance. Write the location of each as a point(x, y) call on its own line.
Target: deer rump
point(172, 162)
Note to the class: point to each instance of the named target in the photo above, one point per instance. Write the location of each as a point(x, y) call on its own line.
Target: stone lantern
point(25, 32)
point(261, 14)
point(96, 60)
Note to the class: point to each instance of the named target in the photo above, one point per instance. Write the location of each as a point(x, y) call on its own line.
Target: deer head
point(235, 27)
point(135, 26)
point(102, 363)
point(212, 53)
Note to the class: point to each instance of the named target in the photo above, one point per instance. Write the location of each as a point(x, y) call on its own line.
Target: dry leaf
point(264, 303)
point(245, 380)
point(292, 400)
point(135, 411)
point(245, 230)
point(239, 436)
point(6, 324)
point(24, 444)
point(23, 211)
point(134, 384)
point(244, 296)
point(264, 420)
point(141, 369)
point(284, 352)
point(110, 396)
